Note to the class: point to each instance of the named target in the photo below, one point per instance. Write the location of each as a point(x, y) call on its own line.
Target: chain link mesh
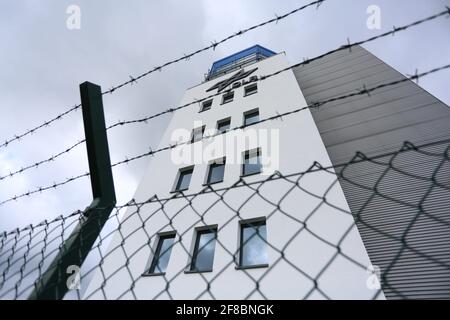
point(316, 236)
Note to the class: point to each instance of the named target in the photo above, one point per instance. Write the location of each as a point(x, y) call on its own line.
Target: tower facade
point(227, 212)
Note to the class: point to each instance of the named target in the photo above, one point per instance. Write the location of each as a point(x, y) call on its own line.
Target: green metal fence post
point(53, 283)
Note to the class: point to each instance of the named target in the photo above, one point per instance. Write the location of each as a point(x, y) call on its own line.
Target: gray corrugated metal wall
point(376, 125)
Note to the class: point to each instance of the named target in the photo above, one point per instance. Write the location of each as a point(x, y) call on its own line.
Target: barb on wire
point(316, 104)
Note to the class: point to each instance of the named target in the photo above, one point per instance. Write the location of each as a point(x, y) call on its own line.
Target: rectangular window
point(203, 255)
point(216, 172)
point(228, 97)
point(253, 245)
point(184, 178)
point(162, 254)
point(251, 117)
point(197, 134)
point(223, 125)
point(206, 105)
point(252, 162)
point(250, 89)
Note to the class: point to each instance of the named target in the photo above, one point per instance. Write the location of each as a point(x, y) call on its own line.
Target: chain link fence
point(287, 236)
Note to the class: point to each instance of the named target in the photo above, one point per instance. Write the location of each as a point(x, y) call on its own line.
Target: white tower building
point(231, 242)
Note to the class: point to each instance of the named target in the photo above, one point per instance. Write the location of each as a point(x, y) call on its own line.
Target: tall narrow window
point(197, 134)
point(162, 254)
point(250, 89)
point(252, 162)
point(253, 245)
point(203, 255)
point(223, 125)
point(206, 105)
point(251, 117)
point(184, 178)
point(228, 97)
point(216, 171)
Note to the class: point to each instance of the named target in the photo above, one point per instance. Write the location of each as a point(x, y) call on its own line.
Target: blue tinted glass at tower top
point(162, 254)
point(203, 256)
point(253, 245)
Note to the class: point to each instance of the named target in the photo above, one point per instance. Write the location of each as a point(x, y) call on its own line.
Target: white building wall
point(299, 146)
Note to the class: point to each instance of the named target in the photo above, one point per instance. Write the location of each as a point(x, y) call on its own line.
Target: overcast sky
point(43, 62)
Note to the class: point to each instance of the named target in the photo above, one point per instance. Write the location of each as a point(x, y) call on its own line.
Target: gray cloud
point(43, 63)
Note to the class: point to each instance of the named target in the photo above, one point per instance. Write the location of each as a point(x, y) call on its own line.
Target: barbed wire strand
point(198, 101)
point(18, 248)
point(317, 104)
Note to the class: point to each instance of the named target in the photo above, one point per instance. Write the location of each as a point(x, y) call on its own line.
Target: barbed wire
point(185, 57)
point(25, 252)
point(304, 62)
point(145, 119)
point(214, 44)
point(114, 270)
point(46, 123)
point(198, 101)
point(39, 163)
point(362, 91)
point(316, 166)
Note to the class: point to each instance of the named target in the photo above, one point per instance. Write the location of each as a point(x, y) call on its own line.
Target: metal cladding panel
point(405, 223)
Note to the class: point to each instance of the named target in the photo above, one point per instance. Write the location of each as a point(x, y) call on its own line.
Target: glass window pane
point(253, 245)
point(184, 179)
point(251, 118)
point(228, 97)
point(206, 105)
point(216, 171)
point(250, 89)
point(252, 163)
point(204, 251)
point(223, 125)
point(162, 254)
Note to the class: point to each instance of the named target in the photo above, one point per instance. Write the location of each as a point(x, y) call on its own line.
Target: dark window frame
point(249, 224)
point(202, 128)
point(202, 107)
point(177, 180)
point(247, 153)
point(221, 122)
point(250, 86)
point(163, 236)
point(250, 113)
point(217, 162)
point(198, 233)
point(228, 93)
